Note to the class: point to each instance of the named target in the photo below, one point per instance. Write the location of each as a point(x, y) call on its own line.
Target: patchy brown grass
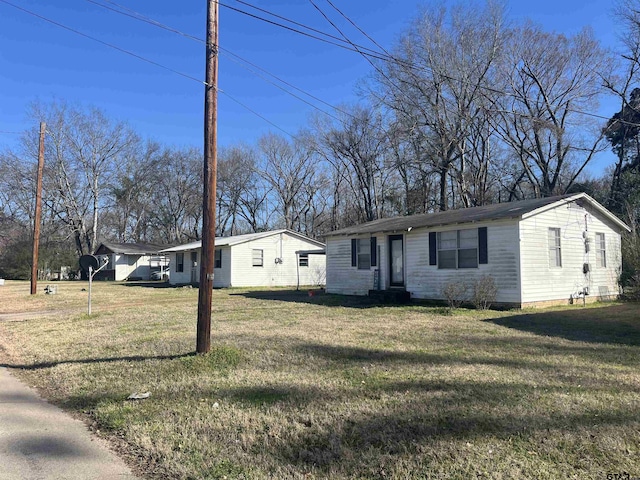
point(332, 387)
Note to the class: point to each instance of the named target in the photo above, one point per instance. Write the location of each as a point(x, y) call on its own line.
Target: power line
point(138, 16)
point(140, 58)
point(110, 45)
point(256, 113)
point(359, 29)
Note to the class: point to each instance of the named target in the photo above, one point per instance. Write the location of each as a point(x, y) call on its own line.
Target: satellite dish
point(87, 261)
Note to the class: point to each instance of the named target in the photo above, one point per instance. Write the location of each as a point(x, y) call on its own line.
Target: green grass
point(336, 387)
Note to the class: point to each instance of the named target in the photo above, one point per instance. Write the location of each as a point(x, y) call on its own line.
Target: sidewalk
point(40, 442)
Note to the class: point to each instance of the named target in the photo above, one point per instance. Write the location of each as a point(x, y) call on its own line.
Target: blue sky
point(41, 61)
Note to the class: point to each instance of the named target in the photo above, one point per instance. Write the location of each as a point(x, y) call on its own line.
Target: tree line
point(465, 109)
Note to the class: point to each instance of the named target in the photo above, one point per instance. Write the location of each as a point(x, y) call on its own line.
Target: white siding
point(132, 266)
point(344, 279)
point(540, 282)
point(221, 276)
point(284, 273)
point(423, 280)
point(427, 281)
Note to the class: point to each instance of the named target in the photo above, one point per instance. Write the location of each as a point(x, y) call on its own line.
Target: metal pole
point(90, 278)
point(38, 213)
point(205, 293)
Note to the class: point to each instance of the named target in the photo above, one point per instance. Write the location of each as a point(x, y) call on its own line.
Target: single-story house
point(540, 251)
point(278, 258)
point(131, 260)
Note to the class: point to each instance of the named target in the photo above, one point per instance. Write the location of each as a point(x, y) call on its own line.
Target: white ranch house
point(131, 260)
point(541, 251)
point(278, 258)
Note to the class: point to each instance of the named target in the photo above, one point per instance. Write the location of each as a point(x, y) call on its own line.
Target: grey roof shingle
point(497, 211)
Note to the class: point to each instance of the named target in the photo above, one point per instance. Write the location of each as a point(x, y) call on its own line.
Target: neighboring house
point(131, 260)
point(276, 258)
point(548, 250)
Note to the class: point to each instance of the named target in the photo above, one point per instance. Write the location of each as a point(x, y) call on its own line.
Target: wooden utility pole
point(38, 213)
point(205, 291)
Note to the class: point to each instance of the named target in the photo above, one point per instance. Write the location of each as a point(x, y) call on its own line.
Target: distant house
point(541, 251)
point(277, 258)
point(131, 260)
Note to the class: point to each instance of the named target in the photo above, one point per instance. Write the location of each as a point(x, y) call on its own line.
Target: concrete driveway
point(40, 442)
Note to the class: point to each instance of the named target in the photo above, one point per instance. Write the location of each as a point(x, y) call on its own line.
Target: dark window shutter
point(433, 260)
point(483, 254)
point(354, 252)
point(374, 251)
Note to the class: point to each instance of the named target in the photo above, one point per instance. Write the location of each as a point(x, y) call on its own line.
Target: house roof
point(498, 211)
point(132, 248)
point(237, 239)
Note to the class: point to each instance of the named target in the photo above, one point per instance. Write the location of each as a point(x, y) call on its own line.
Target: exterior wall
point(421, 279)
point(271, 274)
point(184, 277)
point(132, 266)
point(344, 279)
point(542, 282)
point(427, 281)
point(221, 276)
point(238, 271)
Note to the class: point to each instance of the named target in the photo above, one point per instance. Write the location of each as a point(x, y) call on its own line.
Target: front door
point(396, 261)
point(194, 267)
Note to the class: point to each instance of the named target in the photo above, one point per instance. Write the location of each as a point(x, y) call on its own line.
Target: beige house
point(548, 250)
point(278, 258)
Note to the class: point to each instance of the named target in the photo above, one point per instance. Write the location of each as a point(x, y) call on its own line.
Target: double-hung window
point(180, 262)
point(303, 260)
point(555, 248)
point(257, 257)
point(217, 259)
point(601, 251)
point(458, 249)
point(364, 253)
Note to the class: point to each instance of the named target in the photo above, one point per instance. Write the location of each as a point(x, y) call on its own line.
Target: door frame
point(391, 238)
point(194, 266)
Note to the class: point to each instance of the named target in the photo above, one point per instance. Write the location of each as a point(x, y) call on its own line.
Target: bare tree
point(82, 148)
point(178, 195)
point(438, 81)
point(550, 80)
point(357, 149)
point(240, 194)
point(287, 167)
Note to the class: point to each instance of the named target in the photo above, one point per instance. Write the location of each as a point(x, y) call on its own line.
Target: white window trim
point(365, 253)
point(457, 250)
point(556, 248)
point(601, 250)
point(253, 257)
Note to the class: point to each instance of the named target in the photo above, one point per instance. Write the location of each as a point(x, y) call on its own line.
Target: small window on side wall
point(601, 251)
point(217, 260)
point(257, 257)
point(555, 248)
point(303, 260)
point(180, 262)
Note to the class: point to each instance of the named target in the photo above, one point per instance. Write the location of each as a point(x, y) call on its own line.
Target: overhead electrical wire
point(107, 44)
point(138, 16)
point(139, 57)
point(369, 52)
point(351, 46)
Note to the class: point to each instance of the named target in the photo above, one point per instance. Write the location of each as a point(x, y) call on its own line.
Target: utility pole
point(205, 291)
point(38, 213)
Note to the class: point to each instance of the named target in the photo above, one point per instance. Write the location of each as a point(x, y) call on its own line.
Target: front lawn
point(332, 387)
